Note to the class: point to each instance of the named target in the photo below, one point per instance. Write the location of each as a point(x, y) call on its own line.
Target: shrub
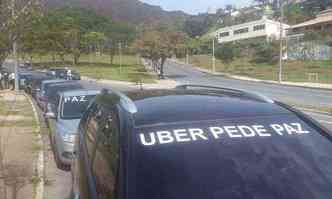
point(266, 52)
point(225, 53)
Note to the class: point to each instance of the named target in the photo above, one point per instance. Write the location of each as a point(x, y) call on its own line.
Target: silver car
point(63, 121)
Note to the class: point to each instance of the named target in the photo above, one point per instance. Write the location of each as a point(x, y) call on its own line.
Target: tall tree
point(159, 45)
point(197, 25)
point(15, 18)
point(118, 33)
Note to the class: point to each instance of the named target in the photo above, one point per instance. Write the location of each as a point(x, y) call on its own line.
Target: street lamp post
point(213, 56)
point(120, 54)
point(15, 51)
point(281, 40)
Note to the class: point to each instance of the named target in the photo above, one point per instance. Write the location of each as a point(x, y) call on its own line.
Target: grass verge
point(293, 71)
point(99, 67)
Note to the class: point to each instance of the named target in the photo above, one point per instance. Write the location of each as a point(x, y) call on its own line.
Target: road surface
point(186, 74)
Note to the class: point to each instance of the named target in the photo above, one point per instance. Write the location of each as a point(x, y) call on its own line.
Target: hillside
point(132, 11)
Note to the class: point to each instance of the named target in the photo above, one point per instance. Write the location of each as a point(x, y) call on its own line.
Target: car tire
point(57, 159)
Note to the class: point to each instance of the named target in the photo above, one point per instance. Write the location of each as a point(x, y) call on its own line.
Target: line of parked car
point(62, 102)
point(192, 142)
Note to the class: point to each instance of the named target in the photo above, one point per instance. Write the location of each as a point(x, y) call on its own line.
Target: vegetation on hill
point(128, 11)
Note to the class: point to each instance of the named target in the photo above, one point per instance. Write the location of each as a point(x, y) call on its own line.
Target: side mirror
point(50, 115)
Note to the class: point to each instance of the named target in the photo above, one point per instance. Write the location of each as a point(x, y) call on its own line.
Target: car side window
point(105, 165)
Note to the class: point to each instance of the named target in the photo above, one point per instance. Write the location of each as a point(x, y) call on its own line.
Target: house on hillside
point(264, 28)
point(304, 49)
point(323, 22)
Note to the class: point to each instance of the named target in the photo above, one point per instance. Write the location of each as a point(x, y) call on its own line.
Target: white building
point(264, 28)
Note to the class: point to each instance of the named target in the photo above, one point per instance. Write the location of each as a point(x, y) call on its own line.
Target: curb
point(314, 111)
point(40, 160)
point(132, 85)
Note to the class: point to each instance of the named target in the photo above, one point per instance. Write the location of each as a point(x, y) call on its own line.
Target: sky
point(195, 6)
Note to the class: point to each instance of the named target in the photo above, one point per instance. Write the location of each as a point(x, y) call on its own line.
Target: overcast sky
point(195, 6)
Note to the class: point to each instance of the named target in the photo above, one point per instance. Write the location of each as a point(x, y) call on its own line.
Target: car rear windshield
point(74, 107)
point(53, 90)
point(253, 158)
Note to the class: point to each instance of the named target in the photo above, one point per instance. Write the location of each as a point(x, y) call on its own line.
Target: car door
point(105, 166)
point(87, 147)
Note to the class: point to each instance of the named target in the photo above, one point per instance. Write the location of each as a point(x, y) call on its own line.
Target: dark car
point(40, 96)
point(57, 73)
point(62, 73)
point(34, 85)
point(75, 76)
point(25, 66)
point(198, 142)
point(25, 77)
point(52, 91)
point(28, 80)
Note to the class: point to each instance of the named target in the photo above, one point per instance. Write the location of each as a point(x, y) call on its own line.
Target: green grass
point(294, 71)
point(99, 67)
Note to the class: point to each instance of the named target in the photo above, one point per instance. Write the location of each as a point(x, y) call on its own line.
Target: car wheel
point(57, 159)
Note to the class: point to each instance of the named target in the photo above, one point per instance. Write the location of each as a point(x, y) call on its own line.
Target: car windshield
point(255, 158)
point(52, 91)
point(73, 107)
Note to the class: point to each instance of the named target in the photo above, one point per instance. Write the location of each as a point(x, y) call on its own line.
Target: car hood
point(67, 126)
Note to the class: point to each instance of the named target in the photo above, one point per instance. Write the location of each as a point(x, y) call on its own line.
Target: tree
point(197, 26)
point(266, 52)
point(4, 46)
point(158, 45)
point(225, 53)
point(118, 33)
point(318, 5)
point(13, 24)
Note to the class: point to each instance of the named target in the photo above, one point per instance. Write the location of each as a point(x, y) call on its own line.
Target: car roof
point(79, 92)
point(54, 81)
point(68, 84)
point(172, 106)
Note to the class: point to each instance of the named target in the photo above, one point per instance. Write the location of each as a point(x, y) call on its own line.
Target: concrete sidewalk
point(286, 83)
point(18, 146)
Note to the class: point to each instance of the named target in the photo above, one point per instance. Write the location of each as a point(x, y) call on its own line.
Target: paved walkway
point(18, 146)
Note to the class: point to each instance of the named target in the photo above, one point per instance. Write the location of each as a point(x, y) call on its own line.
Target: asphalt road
point(186, 74)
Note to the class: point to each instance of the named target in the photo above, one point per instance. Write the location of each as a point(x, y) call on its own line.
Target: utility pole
point(213, 57)
point(15, 49)
point(281, 39)
point(120, 54)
